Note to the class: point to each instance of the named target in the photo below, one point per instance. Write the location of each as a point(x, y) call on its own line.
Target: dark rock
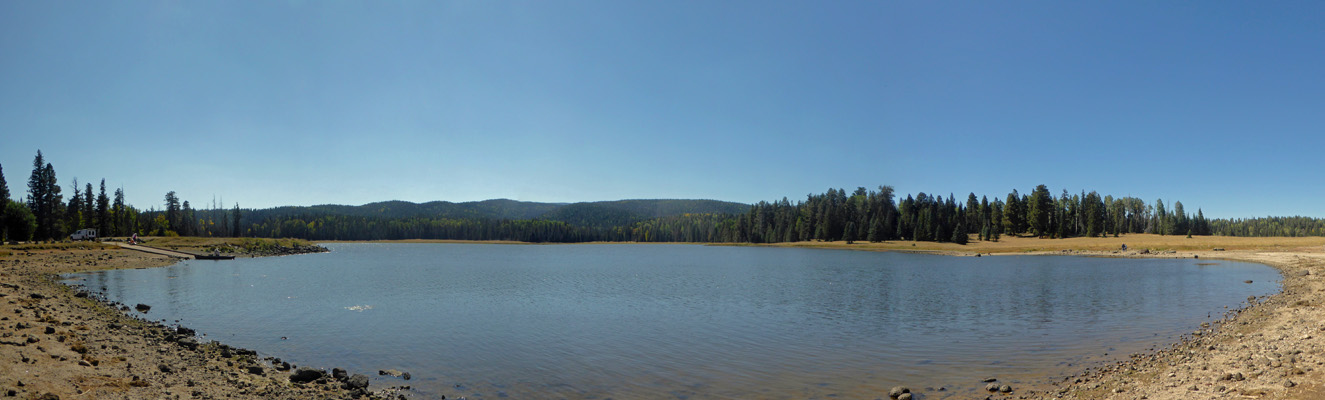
point(80, 294)
point(185, 331)
point(37, 296)
point(357, 381)
point(142, 308)
point(897, 391)
point(284, 366)
point(392, 372)
point(255, 370)
point(188, 343)
point(225, 352)
point(50, 330)
point(339, 374)
point(987, 380)
point(405, 375)
point(306, 374)
point(164, 368)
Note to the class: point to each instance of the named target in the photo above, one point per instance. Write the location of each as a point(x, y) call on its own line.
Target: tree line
point(862, 215)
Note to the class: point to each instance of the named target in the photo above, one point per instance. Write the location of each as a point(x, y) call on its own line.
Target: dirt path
point(153, 250)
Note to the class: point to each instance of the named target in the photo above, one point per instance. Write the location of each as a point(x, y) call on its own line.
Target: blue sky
point(1216, 104)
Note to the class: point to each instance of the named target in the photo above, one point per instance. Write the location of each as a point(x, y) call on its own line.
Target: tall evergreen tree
point(38, 198)
point(103, 211)
point(1038, 211)
point(44, 199)
point(235, 224)
point(89, 207)
point(1014, 214)
point(4, 204)
point(120, 220)
point(73, 219)
point(172, 212)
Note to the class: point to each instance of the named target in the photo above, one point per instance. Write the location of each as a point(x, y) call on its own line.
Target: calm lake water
point(687, 322)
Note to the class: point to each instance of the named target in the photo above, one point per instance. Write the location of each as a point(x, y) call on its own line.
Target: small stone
point(255, 370)
point(338, 374)
point(904, 396)
point(897, 391)
point(1005, 389)
point(1288, 383)
point(993, 387)
point(986, 380)
point(143, 308)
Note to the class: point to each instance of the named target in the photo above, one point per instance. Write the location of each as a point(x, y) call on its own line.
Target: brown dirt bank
point(56, 341)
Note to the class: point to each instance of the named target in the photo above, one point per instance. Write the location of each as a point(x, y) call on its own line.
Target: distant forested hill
point(499, 219)
point(486, 209)
point(605, 214)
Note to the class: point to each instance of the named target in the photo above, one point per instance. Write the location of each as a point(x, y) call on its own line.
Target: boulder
point(898, 391)
point(142, 308)
point(993, 387)
point(255, 369)
point(338, 374)
point(1005, 389)
point(305, 375)
point(185, 331)
point(357, 381)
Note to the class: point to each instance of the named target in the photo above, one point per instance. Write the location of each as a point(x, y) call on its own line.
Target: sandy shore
point(53, 340)
point(58, 343)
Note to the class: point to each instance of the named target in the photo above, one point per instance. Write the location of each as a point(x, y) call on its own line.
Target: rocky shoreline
point(58, 342)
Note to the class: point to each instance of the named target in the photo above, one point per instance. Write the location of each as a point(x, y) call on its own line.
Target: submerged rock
point(142, 308)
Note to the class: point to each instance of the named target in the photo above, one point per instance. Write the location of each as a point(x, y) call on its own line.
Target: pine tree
point(119, 218)
point(850, 234)
point(4, 204)
point(1014, 214)
point(103, 211)
point(1038, 211)
point(172, 212)
point(235, 225)
point(89, 207)
point(38, 198)
point(959, 234)
point(73, 218)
